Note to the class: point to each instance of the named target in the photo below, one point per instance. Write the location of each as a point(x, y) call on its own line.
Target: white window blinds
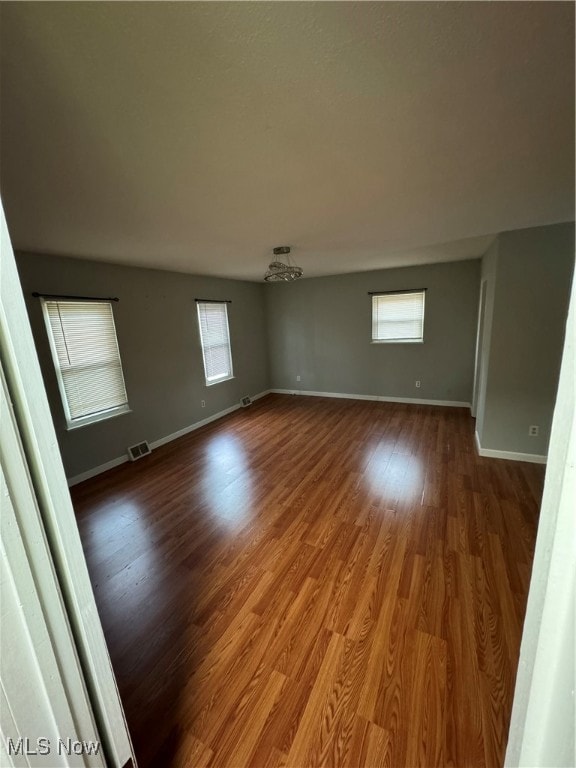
point(215, 340)
point(398, 317)
point(87, 360)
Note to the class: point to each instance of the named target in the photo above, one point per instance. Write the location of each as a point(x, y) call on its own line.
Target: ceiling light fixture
point(278, 271)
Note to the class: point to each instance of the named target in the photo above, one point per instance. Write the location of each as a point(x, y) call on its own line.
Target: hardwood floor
point(315, 582)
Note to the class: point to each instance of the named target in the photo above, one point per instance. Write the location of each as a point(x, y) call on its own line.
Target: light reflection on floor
point(123, 524)
point(109, 519)
point(227, 486)
point(393, 477)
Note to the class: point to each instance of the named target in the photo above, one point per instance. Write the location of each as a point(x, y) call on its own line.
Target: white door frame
point(60, 543)
point(479, 342)
point(44, 700)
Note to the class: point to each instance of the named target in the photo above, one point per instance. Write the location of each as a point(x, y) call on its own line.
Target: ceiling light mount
point(278, 271)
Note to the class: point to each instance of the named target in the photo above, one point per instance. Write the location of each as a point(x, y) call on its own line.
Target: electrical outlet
point(203, 403)
point(533, 431)
point(418, 383)
point(297, 378)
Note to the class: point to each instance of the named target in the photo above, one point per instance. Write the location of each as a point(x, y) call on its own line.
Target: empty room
point(287, 345)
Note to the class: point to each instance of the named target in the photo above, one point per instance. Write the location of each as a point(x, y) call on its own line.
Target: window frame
point(92, 418)
point(220, 379)
point(379, 294)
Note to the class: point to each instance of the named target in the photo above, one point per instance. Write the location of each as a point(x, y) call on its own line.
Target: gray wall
point(320, 329)
point(529, 277)
point(157, 329)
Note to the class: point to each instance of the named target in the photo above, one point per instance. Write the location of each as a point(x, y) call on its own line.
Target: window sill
point(71, 425)
point(397, 341)
point(219, 381)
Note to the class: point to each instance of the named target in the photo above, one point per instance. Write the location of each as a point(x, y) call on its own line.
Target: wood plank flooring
point(315, 582)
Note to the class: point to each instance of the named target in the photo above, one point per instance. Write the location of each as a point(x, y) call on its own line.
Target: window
point(215, 340)
point(398, 317)
point(87, 361)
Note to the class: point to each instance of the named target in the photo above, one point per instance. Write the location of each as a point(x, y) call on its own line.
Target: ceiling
point(197, 136)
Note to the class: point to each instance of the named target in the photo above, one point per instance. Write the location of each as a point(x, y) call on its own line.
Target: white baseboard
point(489, 453)
point(96, 470)
point(377, 398)
point(193, 427)
point(157, 443)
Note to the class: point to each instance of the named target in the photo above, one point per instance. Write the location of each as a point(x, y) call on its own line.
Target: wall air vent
point(137, 451)
point(245, 402)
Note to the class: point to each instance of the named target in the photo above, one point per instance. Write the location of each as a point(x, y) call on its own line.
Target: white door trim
point(43, 692)
point(36, 431)
point(479, 342)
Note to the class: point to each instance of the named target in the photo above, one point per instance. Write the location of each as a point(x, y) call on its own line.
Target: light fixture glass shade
point(277, 272)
